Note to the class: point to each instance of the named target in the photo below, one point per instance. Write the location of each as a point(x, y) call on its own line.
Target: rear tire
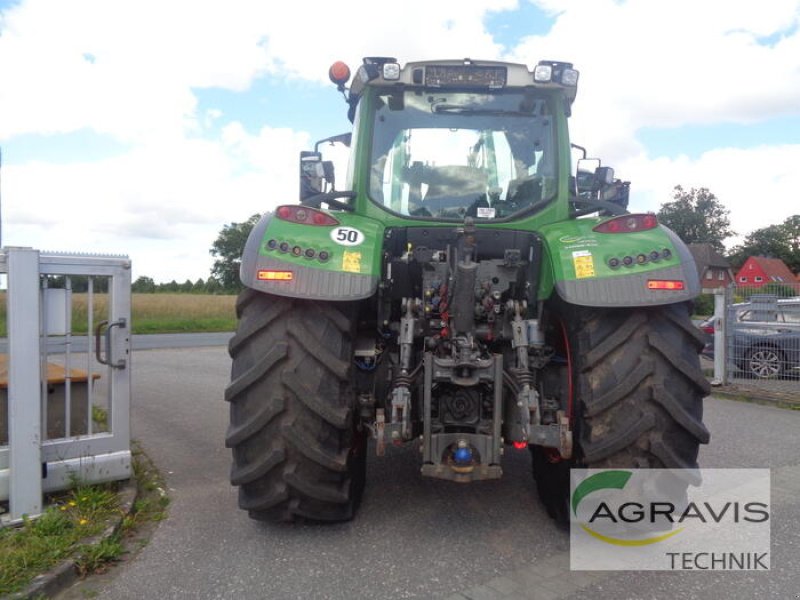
point(296, 450)
point(551, 476)
point(638, 392)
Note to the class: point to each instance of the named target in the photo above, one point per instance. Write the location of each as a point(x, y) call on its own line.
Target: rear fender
point(581, 265)
point(338, 262)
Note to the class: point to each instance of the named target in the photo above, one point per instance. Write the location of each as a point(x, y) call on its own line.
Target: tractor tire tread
point(296, 453)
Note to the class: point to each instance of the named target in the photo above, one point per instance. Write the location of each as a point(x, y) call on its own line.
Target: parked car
point(765, 337)
point(707, 327)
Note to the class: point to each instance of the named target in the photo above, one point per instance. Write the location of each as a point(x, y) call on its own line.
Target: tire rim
point(765, 363)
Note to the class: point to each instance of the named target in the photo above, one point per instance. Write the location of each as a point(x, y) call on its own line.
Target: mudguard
point(583, 265)
point(318, 262)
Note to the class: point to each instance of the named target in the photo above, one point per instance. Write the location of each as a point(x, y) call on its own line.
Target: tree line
point(224, 277)
point(698, 217)
point(146, 285)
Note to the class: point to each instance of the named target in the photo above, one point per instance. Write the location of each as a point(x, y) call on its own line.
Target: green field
point(154, 313)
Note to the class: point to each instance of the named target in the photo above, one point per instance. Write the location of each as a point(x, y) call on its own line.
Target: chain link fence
point(754, 340)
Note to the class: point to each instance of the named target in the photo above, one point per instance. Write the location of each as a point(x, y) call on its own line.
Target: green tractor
point(462, 290)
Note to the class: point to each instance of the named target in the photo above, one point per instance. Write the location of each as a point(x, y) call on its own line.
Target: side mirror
point(585, 182)
point(593, 181)
point(590, 177)
point(604, 176)
point(316, 175)
point(312, 174)
point(330, 177)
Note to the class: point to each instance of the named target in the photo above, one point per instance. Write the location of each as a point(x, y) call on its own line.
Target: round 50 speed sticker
point(347, 236)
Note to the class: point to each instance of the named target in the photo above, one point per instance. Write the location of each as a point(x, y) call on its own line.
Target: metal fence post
point(24, 384)
point(720, 337)
point(120, 294)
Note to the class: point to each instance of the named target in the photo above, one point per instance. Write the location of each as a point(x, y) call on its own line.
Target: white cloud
point(683, 63)
point(128, 68)
point(756, 184)
point(643, 63)
point(49, 85)
point(664, 64)
point(131, 70)
point(157, 202)
point(417, 30)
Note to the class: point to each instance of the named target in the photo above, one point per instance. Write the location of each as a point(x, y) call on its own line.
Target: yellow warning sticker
point(584, 264)
point(351, 262)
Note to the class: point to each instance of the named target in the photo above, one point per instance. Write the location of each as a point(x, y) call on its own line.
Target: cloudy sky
point(142, 127)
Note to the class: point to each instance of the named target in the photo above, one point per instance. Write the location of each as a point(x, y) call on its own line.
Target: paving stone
point(582, 579)
point(561, 585)
point(482, 592)
point(550, 568)
point(559, 561)
point(537, 593)
point(526, 577)
point(533, 586)
point(504, 585)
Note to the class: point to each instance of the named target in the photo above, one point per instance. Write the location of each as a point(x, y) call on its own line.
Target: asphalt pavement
point(413, 537)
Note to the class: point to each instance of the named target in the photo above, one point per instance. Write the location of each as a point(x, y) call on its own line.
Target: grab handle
point(120, 364)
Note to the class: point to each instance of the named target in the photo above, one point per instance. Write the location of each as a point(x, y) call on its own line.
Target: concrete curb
point(763, 397)
point(66, 573)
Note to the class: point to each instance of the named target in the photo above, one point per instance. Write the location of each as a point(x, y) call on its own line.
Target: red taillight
point(268, 275)
point(665, 284)
point(627, 224)
point(304, 215)
point(709, 329)
point(520, 445)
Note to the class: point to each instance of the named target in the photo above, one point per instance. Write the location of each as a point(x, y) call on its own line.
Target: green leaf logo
point(615, 480)
point(599, 481)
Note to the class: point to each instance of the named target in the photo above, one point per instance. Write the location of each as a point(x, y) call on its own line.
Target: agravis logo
point(670, 519)
point(603, 481)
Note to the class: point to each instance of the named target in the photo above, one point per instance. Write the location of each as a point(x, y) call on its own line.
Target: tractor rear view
point(460, 289)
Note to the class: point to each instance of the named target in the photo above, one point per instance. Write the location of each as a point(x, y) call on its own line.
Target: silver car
point(765, 337)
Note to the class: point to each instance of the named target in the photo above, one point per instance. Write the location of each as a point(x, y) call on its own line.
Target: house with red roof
point(758, 271)
point(713, 269)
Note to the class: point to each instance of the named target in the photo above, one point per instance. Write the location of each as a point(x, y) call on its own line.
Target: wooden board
point(56, 374)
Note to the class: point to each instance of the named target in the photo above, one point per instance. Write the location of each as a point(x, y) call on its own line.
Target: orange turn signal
point(665, 284)
point(264, 275)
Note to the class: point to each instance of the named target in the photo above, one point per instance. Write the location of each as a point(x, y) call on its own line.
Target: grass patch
point(152, 500)
point(181, 313)
point(96, 558)
point(99, 418)
point(153, 313)
point(72, 518)
point(38, 545)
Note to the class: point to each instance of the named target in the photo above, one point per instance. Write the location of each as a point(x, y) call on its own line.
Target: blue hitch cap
point(462, 456)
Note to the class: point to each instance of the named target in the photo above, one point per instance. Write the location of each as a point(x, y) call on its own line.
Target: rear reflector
point(665, 284)
point(520, 445)
point(275, 275)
